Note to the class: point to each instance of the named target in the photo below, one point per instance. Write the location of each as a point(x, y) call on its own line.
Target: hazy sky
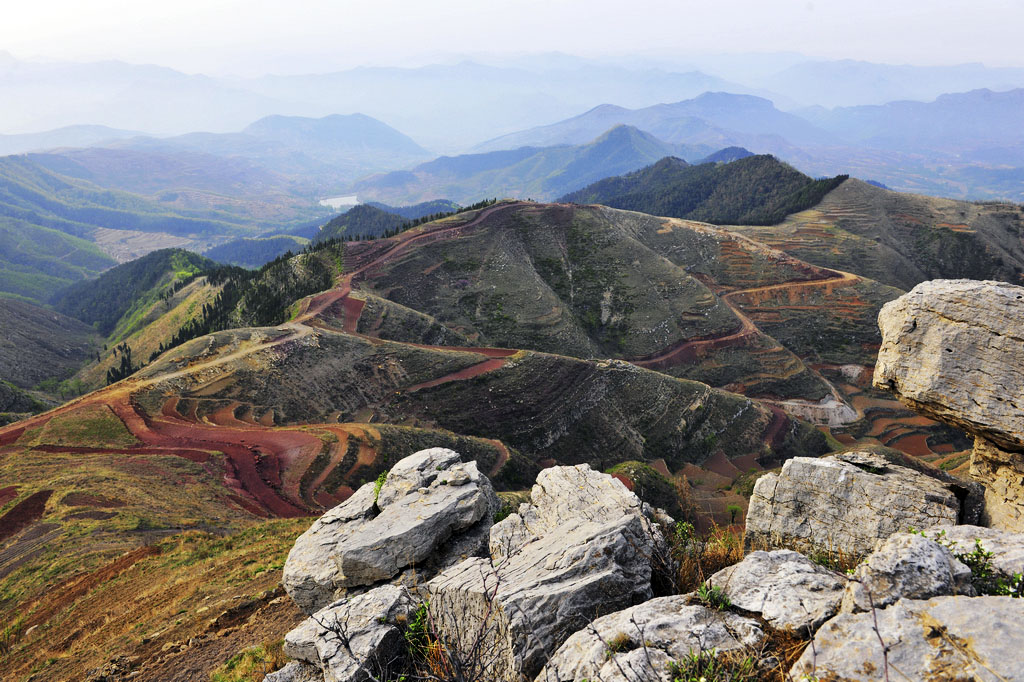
point(255, 36)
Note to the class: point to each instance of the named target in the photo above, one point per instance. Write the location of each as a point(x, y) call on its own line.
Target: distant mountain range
point(717, 119)
point(69, 136)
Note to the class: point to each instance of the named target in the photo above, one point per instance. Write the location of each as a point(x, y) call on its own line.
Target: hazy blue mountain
point(323, 152)
point(527, 172)
point(42, 96)
point(954, 123)
point(726, 155)
point(68, 136)
point(715, 119)
point(450, 107)
point(848, 82)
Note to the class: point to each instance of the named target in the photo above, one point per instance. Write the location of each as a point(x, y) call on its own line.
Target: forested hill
point(102, 302)
point(363, 220)
point(755, 190)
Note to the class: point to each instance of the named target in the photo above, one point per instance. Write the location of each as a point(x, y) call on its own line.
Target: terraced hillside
point(520, 334)
point(903, 239)
point(243, 425)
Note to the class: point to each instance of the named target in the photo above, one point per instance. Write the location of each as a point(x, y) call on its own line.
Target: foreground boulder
point(352, 639)
point(640, 643)
point(908, 566)
point(952, 350)
point(846, 502)
point(432, 511)
point(787, 589)
point(582, 548)
point(945, 638)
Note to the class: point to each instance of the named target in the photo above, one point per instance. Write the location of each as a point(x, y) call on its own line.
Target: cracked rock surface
point(909, 566)
point(582, 548)
point(352, 638)
point(786, 588)
point(432, 511)
point(944, 638)
point(846, 502)
point(639, 643)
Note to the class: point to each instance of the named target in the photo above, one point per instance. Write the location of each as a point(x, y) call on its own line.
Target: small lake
point(340, 202)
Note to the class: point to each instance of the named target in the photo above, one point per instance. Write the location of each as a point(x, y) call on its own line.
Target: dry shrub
point(699, 556)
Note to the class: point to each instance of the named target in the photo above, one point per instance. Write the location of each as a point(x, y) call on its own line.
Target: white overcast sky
point(256, 36)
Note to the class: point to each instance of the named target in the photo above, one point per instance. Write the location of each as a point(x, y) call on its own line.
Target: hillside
point(758, 190)
point(39, 345)
point(191, 180)
point(535, 172)
point(903, 239)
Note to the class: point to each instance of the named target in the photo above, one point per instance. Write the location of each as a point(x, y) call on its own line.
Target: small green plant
point(378, 484)
point(684, 531)
point(417, 639)
point(984, 577)
point(713, 596)
point(712, 666)
point(733, 510)
point(503, 513)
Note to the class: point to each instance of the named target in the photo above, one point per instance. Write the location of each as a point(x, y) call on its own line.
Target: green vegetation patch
point(91, 426)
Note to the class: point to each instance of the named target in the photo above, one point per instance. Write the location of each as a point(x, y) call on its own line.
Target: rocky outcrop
point(432, 511)
point(354, 638)
point(582, 548)
point(952, 349)
point(787, 589)
point(945, 638)
point(907, 566)
point(640, 643)
point(846, 502)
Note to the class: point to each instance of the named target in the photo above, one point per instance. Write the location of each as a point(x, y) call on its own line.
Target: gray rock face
point(847, 501)
point(638, 644)
point(906, 566)
point(944, 638)
point(428, 499)
point(952, 350)
point(1007, 547)
point(352, 639)
point(789, 590)
point(581, 550)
